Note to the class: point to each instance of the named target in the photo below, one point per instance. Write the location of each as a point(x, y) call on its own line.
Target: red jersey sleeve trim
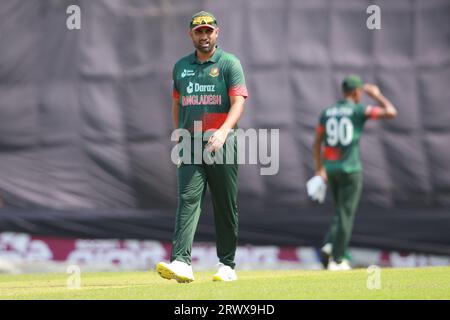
point(374, 111)
point(238, 91)
point(175, 94)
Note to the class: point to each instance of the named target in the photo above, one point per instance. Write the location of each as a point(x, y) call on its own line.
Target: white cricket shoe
point(178, 270)
point(325, 255)
point(225, 273)
point(342, 266)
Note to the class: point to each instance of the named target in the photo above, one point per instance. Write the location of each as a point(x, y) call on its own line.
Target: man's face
point(204, 39)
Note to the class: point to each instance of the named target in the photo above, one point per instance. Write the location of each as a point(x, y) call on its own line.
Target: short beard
point(205, 50)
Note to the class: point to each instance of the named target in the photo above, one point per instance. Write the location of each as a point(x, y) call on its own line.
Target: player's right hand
point(322, 172)
point(372, 90)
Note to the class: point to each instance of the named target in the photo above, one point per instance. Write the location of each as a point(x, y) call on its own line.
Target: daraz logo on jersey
point(190, 88)
point(204, 99)
point(195, 87)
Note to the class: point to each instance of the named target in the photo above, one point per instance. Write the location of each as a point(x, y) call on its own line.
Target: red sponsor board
point(143, 255)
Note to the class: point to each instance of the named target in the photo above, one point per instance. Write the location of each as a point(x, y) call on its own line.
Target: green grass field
point(418, 283)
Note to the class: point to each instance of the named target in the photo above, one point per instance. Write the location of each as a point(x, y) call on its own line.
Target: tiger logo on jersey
point(214, 72)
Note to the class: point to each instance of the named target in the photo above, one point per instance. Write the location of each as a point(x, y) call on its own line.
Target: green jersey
point(204, 89)
point(342, 125)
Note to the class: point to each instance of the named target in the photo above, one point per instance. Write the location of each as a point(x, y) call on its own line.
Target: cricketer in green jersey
point(339, 131)
point(208, 88)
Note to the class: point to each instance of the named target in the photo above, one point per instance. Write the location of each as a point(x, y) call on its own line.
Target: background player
point(339, 129)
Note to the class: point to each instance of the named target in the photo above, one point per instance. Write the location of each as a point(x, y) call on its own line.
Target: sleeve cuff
point(175, 94)
point(238, 91)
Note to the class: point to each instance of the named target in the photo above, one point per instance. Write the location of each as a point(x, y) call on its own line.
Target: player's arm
point(317, 155)
point(237, 92)
point(386, 110)
point(175, 112)
point(175, 100)
point(236, 110)
point(235, 113)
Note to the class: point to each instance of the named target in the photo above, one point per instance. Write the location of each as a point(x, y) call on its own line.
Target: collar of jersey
point(214, 58)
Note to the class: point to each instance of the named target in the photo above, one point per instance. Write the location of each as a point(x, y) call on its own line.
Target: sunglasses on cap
point(203, 20)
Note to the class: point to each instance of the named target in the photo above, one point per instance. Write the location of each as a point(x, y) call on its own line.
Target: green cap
point(352, 82)
point(203, 19)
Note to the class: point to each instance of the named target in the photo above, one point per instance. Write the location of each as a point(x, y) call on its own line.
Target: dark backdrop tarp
point(85, 116)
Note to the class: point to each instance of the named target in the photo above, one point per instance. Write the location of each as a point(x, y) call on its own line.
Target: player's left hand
point(217, 140)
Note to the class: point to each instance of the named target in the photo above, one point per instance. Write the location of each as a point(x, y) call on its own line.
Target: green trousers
point(193, 180)
point(346, 189)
